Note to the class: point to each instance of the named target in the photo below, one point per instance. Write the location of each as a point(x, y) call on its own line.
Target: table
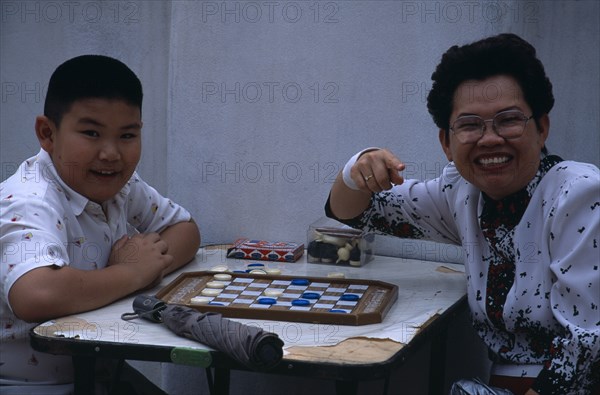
point(430, 294)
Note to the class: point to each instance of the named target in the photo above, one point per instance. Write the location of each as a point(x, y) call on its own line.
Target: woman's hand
point(373, 171)
point(377, 171)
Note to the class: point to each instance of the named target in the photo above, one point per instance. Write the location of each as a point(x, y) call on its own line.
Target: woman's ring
point(367, 178)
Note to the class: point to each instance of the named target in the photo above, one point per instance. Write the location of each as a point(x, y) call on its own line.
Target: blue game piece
point(300, 281)
point(338, 311)
point(216, 304)
point(300, 302)
point(350, 297)
point(256, 264)
point(240, 271)
point(311, 295)
point(267, 301)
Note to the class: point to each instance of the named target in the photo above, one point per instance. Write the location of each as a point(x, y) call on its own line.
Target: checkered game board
point(284, 298)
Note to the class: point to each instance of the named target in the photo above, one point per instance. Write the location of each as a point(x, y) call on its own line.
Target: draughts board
point(241, 297)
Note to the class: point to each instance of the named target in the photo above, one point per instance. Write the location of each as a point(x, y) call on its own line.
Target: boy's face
point(97, 146)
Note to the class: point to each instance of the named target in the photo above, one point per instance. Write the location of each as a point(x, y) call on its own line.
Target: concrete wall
point(251, 108)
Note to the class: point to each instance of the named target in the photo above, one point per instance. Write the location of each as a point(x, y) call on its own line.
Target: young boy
point(79, 229)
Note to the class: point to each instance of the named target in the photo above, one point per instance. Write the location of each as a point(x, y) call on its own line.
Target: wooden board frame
point(371, 308)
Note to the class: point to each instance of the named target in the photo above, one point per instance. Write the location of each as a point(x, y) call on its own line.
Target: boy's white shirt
point(43, 222)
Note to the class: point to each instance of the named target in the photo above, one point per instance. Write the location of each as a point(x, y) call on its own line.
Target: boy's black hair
point(504, 54)
point(90, 76)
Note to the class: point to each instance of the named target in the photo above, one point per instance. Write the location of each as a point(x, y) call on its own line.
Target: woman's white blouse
point(550, 315)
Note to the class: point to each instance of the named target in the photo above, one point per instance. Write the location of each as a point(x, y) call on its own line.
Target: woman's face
point(497, 166)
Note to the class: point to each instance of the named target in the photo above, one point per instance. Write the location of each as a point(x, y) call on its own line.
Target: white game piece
point(273, 292)
point(220, 268)
point(343, 254)
point(211, 291)
point(258, 271)
point(274, 271)
point(199, 300)
point(336, 241)
point(215, 284)
point(336, 275)
point(222, 276)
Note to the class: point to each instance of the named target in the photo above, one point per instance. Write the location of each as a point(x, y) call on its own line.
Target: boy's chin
point(100, 199)
point(101, 196)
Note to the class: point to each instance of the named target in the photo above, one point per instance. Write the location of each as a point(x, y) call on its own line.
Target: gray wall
point(251, 108)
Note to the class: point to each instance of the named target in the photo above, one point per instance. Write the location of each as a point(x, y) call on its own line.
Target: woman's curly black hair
point(504, 54)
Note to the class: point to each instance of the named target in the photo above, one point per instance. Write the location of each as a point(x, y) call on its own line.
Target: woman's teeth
point(493, 161)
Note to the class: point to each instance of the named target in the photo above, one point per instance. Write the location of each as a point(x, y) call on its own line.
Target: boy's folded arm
point(50, 292)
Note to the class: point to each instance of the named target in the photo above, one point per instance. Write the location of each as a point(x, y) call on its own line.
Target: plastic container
point(331, 242)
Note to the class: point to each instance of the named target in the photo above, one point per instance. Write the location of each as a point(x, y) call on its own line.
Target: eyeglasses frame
point(494, 129)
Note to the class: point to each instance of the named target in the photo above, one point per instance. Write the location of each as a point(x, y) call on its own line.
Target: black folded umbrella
point(251, 346)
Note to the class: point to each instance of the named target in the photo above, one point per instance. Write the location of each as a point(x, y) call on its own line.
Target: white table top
point(425, 289)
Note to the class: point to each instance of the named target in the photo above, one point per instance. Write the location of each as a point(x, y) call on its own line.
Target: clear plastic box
point(331, 242)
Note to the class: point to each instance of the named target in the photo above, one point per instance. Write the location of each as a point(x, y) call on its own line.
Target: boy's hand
point(376, 171)
point(145, 254)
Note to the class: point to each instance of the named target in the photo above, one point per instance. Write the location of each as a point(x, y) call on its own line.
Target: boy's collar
point(77, 201)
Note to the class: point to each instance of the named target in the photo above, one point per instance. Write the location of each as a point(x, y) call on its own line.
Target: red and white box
point(280, 251)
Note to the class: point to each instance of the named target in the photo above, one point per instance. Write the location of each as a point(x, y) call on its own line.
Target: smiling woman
point(527, 221)
point(496, 163)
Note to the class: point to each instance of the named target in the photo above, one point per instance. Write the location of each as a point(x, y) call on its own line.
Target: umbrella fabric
point(251, 346)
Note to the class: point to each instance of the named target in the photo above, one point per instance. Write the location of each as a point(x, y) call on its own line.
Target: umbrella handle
point(146, 306)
